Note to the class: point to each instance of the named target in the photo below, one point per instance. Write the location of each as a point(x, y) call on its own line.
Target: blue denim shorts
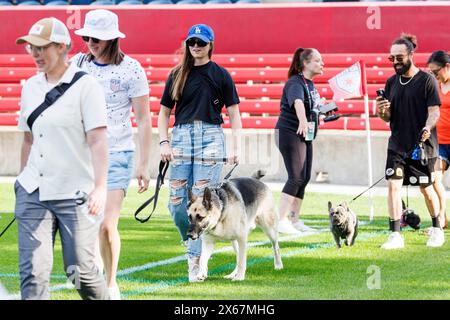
point(120, 170)
point(444, 153)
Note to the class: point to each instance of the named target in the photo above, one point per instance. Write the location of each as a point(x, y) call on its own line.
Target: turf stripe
point(180, 258)
point(161, 285)
point(128, 271)
point(16, 275)
point(177, 259)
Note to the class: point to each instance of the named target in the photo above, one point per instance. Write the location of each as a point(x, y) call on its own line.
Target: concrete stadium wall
point(342, 155)
point(265, 28)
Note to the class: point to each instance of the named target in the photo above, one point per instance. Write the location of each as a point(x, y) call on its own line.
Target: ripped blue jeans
point(199, 148)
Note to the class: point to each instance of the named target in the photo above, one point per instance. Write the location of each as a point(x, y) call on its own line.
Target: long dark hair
point(298, 60)
point(181, 71)
point(111, 53)
point(409, 40)
point(440, 58)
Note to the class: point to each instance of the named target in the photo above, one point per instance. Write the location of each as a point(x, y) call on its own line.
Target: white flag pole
point(369, 141)
point(369, 156)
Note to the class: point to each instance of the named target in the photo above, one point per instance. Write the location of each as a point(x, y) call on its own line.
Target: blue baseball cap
point(201, 31)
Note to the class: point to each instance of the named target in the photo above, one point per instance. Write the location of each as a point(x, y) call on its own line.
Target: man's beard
point(404, 69)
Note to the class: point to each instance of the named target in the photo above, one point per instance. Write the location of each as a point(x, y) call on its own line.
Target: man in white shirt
point(64, 151)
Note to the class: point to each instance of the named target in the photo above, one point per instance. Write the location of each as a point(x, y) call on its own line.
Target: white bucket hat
point(101, 24)
point(46, 31)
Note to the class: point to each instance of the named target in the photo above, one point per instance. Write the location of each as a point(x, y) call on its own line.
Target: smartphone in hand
point(381, 93)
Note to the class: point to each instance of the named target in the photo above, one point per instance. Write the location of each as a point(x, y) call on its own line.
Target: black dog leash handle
point(231, 171)
point(7, 227)
point(163, 166)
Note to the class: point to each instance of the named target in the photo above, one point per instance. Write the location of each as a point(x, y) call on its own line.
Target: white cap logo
point(36, 29)
point(197, 30)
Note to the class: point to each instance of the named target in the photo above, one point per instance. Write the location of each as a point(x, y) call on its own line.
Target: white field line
point(180, 258)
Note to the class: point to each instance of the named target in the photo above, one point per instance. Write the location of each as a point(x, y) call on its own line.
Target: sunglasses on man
point(399, 58)
point(192, 41)
point(94, 40)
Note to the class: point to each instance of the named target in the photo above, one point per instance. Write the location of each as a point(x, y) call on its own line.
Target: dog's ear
point(330, 206)
point(191, 196)
point(207, 199)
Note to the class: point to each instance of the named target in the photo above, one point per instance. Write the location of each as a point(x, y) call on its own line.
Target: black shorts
point(411, 171)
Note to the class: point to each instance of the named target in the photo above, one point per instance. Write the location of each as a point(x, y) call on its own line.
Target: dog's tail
point(259, 174)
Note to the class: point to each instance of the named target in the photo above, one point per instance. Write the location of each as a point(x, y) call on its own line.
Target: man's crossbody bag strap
point(52, 96)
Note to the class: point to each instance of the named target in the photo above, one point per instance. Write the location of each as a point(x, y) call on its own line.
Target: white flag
point(347, 84)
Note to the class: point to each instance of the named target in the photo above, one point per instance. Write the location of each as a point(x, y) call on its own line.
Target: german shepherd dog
point(230, 212)
point(343, 224)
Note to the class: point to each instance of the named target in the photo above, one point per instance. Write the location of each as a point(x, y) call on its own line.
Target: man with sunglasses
point(411, 106)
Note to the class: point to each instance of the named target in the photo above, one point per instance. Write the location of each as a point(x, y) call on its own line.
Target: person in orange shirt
point(439, 65)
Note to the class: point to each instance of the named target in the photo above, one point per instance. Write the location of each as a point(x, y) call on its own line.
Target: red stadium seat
point(15, 74)
point(254, 106)
point(241, 60)
point(273, 91)
point(239, 75)
point(338, 124)
point(9, 104)
point(259, 80)
point(360, 124)
point(9, 119)
point(10, 90)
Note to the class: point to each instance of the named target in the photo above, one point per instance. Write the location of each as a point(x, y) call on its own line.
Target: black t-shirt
point(409, 112)
point(295, 89)
point(208, 87)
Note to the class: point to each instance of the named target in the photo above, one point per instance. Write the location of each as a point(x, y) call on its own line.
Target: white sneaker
point(300, 226)
point(285, 226)
point(436, 238)
point(69, 284)
point(193, 268)
point(395, 241)
point(114, 293)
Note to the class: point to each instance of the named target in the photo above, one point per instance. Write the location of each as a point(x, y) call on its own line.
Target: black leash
point(7, 227)
point(229, 173)
point(163, 166)
point(373, 185)
point(422, 157)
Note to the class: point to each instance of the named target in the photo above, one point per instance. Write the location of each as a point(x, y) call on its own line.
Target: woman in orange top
point(439, 65)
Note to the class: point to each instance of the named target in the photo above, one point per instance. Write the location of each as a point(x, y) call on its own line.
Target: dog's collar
point(220, 196)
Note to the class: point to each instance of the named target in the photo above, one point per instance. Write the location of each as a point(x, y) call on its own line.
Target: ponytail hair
point(181, 71)
point(409, 40)
point(298, 60)
point(440, 58)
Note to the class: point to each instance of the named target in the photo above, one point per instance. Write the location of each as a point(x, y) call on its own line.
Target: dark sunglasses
point(192, 41)
point(94, 40)
point(435, 72)
point(399, 58)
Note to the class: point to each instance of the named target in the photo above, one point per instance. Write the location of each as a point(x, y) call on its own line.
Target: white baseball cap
point(101, 24)
point(46, 31)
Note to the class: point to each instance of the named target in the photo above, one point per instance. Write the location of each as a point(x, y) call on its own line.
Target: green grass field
point(313, 267)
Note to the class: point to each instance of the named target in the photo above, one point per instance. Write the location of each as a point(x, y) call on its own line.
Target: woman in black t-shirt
point(199, 88)
point(296, 129)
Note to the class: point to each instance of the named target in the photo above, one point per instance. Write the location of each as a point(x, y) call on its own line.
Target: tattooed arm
point(433, 117)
